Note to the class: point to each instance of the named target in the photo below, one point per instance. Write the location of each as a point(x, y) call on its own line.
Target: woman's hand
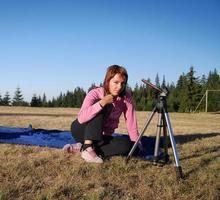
point(108, 99)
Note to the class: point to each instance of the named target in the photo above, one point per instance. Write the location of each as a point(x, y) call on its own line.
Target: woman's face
point(116, 85)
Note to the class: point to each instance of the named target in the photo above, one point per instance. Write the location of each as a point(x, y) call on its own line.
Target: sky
point(51, 46)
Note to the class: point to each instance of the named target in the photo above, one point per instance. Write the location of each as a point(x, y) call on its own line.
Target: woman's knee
point(77, 131)
point(74, 126)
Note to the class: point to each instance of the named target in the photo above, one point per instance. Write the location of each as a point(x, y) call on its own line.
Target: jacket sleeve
point(131, 119)
point(90, 107)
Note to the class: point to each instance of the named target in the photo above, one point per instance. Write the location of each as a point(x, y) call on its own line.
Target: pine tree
point(18, 97)
point(59, 101)
point(155, 93)
point(213, 83)
point(157, 80)
point(6, 100)
point(44, 100)
point(70, 99)
point(193, 90)
point(181, 89)
point(172, 99)
point(164, 82)
point(1, 103)
point(51, 103)
point(79, 95)
point(34, 101)
point(203, 83)
point(39, 101)
point(136, 96)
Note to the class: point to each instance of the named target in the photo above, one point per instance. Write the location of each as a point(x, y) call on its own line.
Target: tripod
point(163, 124)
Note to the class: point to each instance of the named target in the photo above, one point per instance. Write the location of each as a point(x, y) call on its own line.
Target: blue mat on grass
point(57, 138)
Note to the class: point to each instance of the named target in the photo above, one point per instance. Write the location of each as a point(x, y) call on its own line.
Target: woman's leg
point(104, 145)
point(87, 134)
point(91, 130)
point(114, 146)
point(77, 131)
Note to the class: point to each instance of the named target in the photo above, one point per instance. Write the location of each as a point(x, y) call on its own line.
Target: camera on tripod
point(163, 125)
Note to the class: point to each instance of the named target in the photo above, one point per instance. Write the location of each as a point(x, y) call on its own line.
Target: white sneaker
point(72, 148)
point(89, 155)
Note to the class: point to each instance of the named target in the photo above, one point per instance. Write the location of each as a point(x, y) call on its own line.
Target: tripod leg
point(141, 134)
point(173, 143)
point(165, 145)
point(157, 142)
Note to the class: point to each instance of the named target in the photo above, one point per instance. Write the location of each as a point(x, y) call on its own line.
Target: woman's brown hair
point(111, 72)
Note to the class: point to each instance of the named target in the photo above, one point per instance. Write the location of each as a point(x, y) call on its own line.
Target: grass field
point(30, 172)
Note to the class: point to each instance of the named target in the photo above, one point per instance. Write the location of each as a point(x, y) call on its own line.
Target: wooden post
point(206, 101)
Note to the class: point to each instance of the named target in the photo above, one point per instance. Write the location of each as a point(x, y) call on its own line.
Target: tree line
point(183, 96)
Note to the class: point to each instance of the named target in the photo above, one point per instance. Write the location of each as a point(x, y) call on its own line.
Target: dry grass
point(30, 172)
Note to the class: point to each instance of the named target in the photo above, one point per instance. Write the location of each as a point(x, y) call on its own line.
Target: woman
point(99, 117)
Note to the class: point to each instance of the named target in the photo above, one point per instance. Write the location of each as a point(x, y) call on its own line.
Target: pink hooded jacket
point(91, 107)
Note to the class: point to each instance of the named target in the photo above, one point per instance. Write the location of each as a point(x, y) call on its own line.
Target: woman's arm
point(91, 106)
point(131, 119)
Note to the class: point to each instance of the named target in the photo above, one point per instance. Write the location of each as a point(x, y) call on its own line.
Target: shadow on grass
point(204, 163)
point(201, 152)
point(181, 139)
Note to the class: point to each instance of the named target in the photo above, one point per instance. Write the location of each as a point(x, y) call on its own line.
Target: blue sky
point(54, 46)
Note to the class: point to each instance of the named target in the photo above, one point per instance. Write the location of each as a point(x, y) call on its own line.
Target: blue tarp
point(56, 138)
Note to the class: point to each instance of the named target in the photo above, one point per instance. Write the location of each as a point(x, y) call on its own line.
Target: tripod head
point(162, 91)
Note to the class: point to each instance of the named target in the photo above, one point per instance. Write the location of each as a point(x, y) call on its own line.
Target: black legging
point(104, 145)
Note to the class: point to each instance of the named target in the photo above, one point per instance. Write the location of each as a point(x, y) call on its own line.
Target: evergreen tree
point(193, 90)
point(6, 100)
point(164, 82)
point(39, 101)
point(79, 95)
point(44, 100)
point(188, 88)
point(203, 86)
point(181, 89)
point(136, 96)
point(18, 98)
point(157, 80)
point(143, 97)
point(59, 101)
point(51, 103)
point(139, 95)
point(213, 83)
point(203, 83)
point(34, 101)
point(150, 96)
point(155, 93)
point(172, 99)
point(1, 103)
point(69, 100)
